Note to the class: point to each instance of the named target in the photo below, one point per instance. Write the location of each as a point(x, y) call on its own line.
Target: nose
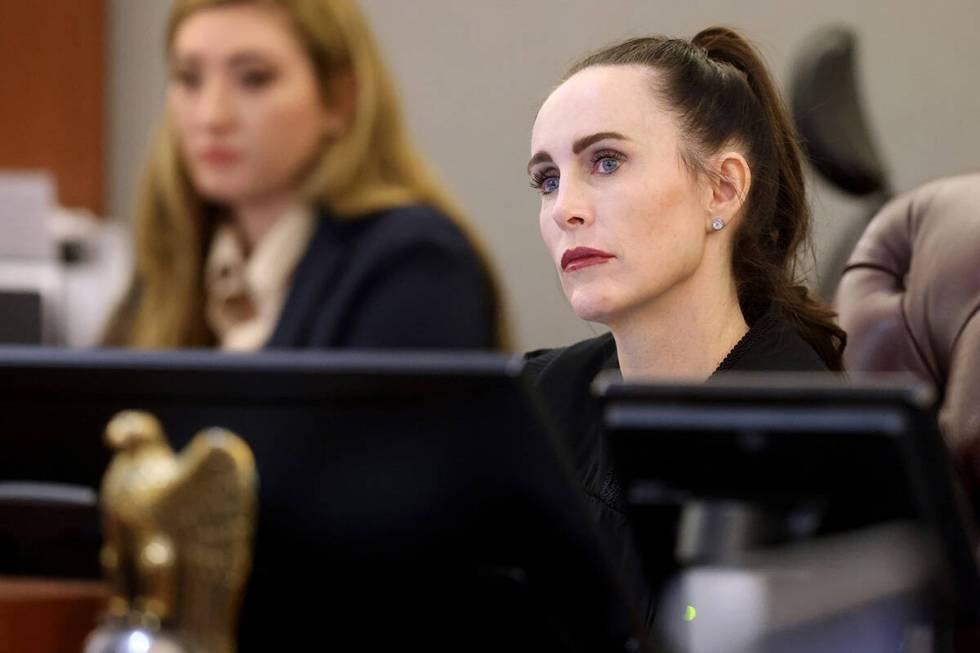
point(571, 209)
point(214, 106)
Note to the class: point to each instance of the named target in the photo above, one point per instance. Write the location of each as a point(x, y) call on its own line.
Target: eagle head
point(131, 430)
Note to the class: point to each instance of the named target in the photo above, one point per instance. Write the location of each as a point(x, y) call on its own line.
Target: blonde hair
point(371, 166)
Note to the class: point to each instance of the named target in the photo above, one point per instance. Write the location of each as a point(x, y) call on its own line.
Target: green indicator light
point(690, 613)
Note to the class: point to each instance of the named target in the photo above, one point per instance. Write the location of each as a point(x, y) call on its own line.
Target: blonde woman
point(283, 205)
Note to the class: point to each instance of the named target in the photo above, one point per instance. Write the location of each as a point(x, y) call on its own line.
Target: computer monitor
point(716, 473)
point(405, 499)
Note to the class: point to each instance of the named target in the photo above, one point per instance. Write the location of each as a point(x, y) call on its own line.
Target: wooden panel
point(48, 616)
point(52, 74)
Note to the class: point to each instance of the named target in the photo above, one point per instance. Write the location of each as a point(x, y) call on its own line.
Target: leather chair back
point(910, 301)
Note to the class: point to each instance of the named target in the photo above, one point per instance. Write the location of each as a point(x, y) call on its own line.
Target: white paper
point(27, 200)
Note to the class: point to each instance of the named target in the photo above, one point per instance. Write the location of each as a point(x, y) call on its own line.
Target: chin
point(220, 192)
point(592, 308)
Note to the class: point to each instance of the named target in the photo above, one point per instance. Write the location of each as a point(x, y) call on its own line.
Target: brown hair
point(371, 166)
point(718, 86)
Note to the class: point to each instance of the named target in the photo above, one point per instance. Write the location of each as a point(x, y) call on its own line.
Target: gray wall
point(136, 78)
point(472, 75)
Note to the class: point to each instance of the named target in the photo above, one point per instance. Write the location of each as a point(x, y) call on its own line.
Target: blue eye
point(606, 162)
point(608, 165)
point(545, 182)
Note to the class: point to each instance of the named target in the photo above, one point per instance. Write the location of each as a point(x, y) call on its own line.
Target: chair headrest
point(828, 113)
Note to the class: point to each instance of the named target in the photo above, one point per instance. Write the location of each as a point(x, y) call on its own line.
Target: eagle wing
point(209, 514)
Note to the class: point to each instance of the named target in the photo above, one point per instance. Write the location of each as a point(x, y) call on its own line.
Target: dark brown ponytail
point(723, 94)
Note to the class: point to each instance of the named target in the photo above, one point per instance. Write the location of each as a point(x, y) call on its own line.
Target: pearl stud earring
point(717, 224)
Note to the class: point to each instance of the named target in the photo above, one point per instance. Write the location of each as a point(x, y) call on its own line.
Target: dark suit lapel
point(315, 272)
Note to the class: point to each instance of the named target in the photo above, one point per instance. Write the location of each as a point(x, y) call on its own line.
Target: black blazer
point(399, 278)
point(562, 379)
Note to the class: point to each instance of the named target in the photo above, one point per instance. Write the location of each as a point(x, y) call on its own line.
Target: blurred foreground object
point(836, 133)
point(793, 513)
point(421, 498)
point(910, 301)
point(855, 592)
point(178, 535)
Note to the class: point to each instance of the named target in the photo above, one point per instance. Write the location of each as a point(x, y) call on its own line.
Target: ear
point(339, 101)
point(728, 188)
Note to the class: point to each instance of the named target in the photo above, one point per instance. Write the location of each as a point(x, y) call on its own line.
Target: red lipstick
point(583, 257)
point(219, 155)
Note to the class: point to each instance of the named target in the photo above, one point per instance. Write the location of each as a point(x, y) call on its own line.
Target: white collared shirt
point(244, 296)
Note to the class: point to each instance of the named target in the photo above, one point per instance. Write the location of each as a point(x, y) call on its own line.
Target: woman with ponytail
point(673, 206)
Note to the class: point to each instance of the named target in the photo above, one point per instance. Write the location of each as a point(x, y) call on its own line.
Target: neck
point(685, 333)
point(255, 218)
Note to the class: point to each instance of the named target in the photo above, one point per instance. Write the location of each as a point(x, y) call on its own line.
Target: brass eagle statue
point(177, 538)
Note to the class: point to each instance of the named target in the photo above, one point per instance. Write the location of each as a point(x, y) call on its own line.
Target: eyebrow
point(539, 157)
point(577, 146)
point(586, 141)
point(247, 57)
